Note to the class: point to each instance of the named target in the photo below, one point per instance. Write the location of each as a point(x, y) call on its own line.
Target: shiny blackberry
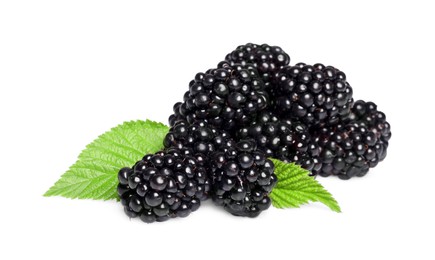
point(199, 137)
point(352, 148)
point(316, 95)
point(162, 186)
point(267, 59)
point(226, 98)
point(284, 139)
point(368, 113)
point(243, 178)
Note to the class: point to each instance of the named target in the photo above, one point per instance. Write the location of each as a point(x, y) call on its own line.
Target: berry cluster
point(251, 107)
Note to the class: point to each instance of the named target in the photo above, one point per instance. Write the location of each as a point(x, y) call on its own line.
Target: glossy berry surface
point(352, 148)
point(315, 95)
point(267, 59)
point(163, 185)
point(243, 178)
point(226, 98)
point(199, 137)
point(283, 139)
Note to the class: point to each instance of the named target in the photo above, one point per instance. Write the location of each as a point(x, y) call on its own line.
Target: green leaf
point(94, 175)
point(295, 188)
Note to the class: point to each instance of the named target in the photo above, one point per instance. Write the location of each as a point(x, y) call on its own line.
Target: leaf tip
point(47, 193)
point(336, 208)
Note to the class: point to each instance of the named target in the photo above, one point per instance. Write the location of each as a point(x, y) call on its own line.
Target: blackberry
point(316, 95)
point(283, 139)
point(162, 186)
point(368, 113)
point(243, 178)
point(351, 148)
point(198, 138)
point(267, 59)
point(226, 97)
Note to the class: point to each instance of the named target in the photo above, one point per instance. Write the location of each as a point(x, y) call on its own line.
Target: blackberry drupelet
point(351, 148)
point(226, 97)
point(284, 139)
point(162, 186)
point(267, 59)
point(243, 178)
point(316, 95)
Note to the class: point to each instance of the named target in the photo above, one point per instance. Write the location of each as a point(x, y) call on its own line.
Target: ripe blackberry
point(242, 179)
point(286, 140)
point(316, 95)
point(226, 97)
point(350, 149)
point(199, 137)
point(267, 59)
point(162, 186)
point(368, 113)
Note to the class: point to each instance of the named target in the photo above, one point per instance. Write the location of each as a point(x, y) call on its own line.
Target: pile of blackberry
point(254, 106)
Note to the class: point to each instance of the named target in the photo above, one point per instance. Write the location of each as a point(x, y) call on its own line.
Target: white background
point(70, 70)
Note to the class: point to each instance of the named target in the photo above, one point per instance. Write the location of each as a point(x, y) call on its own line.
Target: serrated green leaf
point(295, 187)
point(94, 175)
